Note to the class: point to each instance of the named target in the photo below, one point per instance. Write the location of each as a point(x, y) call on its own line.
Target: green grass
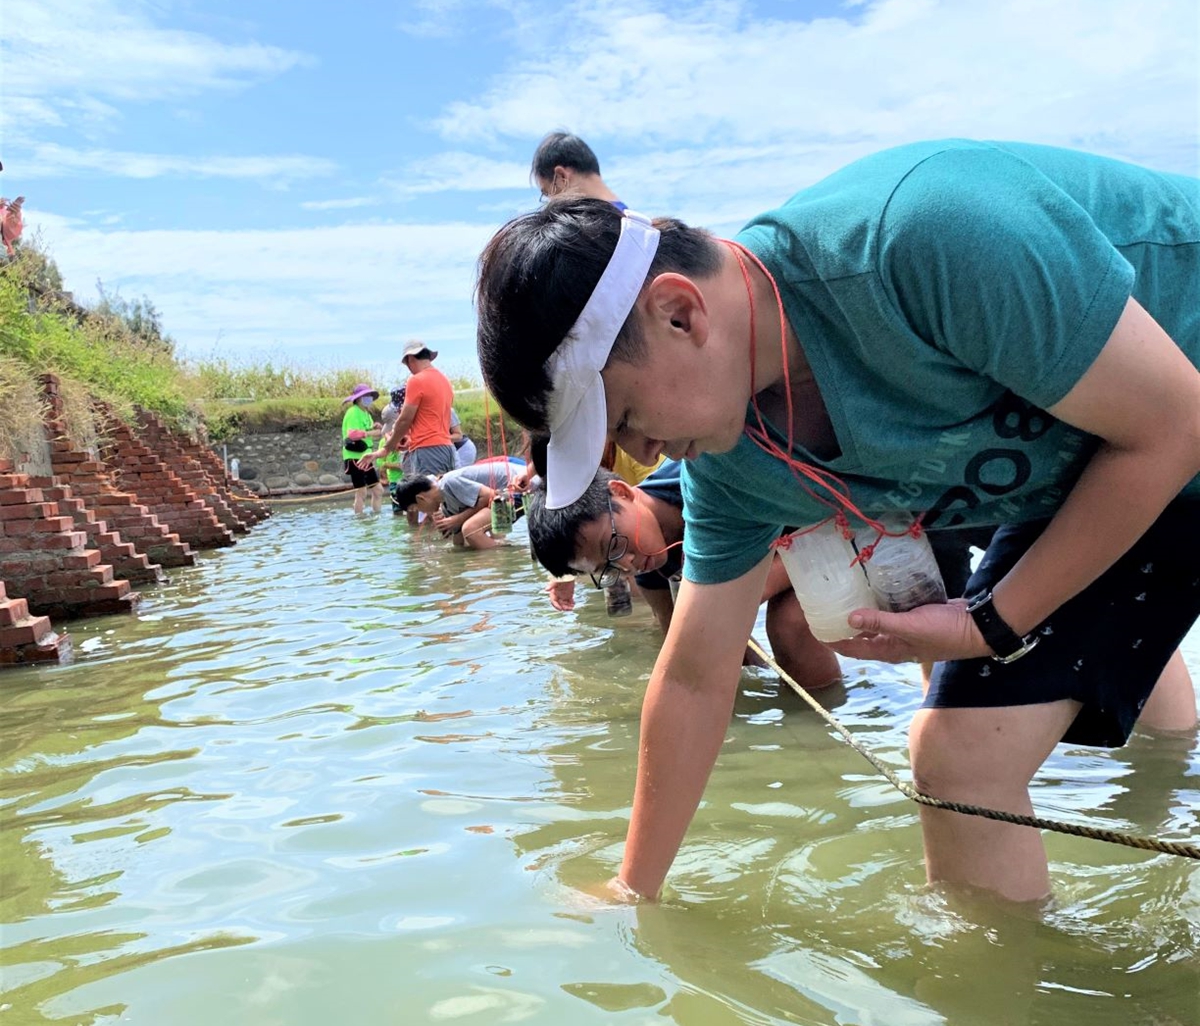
point(96, 351)
point(470, 410)
point(226, 419)
point(117, 352)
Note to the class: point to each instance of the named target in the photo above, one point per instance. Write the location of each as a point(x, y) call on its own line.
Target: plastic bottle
point(902, 570)
point(618, 598)
point(827, 581)
point(502, 512)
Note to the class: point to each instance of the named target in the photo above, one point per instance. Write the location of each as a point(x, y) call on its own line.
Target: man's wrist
point(1006, 644)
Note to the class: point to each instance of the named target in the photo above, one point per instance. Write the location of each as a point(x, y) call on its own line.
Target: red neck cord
point(637, 530)
point(492, 475)
point(840, 502)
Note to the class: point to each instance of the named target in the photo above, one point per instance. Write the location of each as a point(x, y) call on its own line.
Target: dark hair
point(536, 275)
point(554, 533)
point(538, 441)
point(561, 149)
point(411, 487)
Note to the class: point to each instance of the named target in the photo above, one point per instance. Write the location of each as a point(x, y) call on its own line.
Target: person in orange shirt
point(423, 427)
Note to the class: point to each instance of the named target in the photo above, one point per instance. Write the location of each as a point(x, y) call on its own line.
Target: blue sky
point(314, 181)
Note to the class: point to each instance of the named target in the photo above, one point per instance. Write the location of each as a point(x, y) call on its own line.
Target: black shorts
point(952, 550)
point(361, 478)
point(1105, 648)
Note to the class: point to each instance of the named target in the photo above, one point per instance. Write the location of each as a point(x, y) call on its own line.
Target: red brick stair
point(127, 563)
point(138, 470)
point(44, 559)
point(125, 518)
point(28, 639)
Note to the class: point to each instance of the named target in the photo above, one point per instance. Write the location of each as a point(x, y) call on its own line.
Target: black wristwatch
point(1006, 643)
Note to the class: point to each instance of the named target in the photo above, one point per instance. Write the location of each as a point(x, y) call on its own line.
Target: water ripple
point(340, 772)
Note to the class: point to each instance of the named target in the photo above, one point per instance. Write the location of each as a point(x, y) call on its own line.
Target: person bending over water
point(980, 333)
point(616, 528)
point(460, 502)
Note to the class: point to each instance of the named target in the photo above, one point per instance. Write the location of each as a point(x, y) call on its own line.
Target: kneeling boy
point(459, 501)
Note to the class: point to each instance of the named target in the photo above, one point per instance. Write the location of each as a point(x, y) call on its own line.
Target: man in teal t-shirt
point(896, 309)
point(983, 334)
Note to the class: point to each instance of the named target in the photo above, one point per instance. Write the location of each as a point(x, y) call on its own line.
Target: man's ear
point(675, 302)
point(620, 490)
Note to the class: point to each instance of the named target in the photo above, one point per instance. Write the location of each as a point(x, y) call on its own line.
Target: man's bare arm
point(684, 719)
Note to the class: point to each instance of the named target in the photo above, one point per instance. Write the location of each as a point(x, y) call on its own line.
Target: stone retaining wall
point(287, 462)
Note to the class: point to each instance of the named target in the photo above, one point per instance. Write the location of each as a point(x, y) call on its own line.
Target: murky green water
point(339, 775)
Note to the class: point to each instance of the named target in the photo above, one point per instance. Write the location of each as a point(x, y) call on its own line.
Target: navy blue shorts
point(952, 550)
point(1105, 648)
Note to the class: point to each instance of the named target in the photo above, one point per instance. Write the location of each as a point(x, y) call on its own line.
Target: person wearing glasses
point(985, 334)
point(616, 528)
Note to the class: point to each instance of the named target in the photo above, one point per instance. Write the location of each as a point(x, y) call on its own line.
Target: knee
point(942, 763)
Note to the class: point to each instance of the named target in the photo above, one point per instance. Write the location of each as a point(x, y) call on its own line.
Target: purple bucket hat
point(361, 389)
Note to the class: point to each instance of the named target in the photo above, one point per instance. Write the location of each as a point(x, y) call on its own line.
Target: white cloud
point(457, 172)
point(431, 19)
point(52, 161)
point(58, 54)
point(365, 286)
point(1104, 74)
point(348, 203)
point(712, 117)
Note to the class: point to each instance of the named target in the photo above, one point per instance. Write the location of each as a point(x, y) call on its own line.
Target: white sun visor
point(578, 411)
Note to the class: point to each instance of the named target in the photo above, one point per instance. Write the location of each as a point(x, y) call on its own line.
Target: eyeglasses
point(618, 545)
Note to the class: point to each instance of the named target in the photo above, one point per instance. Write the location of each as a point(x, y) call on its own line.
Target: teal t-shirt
point(356, 419)
point(945, 294)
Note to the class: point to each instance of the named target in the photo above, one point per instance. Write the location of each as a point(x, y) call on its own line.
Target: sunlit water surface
point(341, 774)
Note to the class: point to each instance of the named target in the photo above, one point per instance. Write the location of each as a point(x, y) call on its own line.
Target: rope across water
point(1180, 848)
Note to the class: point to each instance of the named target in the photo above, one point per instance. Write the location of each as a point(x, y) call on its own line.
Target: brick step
point(89, 577)
point(14, 494)
point(29, 630)
point(85, 560)
point(171, 554)
point(53, 648)
point(137, 569)
point(12, 611)
point(76, 602)
point(127, 603)
point(29, 510)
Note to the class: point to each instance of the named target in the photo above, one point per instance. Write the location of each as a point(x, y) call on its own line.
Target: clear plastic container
point(902, 570)
point(502, 513)
point(827, 582)
point(618, 598)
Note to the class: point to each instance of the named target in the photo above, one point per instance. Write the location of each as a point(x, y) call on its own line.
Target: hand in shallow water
point(927, 634)
point(445, 525)
point(613, 892)
point(562, 595)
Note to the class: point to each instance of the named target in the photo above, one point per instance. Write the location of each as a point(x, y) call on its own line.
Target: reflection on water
point(339, 773)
